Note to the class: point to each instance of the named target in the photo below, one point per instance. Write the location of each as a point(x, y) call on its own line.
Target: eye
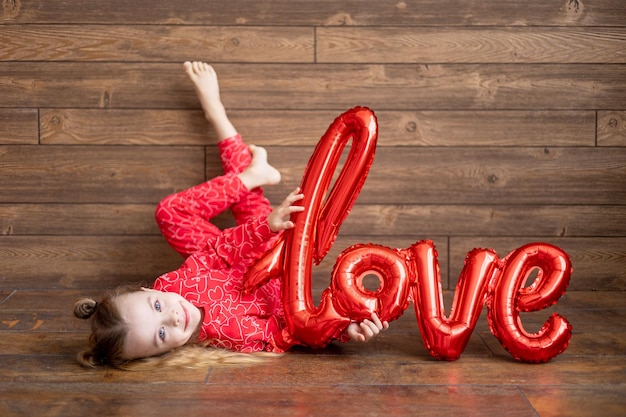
point(162, 333)
point(157, 306)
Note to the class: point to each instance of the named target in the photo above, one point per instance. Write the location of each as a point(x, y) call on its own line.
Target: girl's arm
point(241, 243)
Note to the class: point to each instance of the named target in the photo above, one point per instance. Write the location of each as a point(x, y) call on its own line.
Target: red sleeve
point(238, 244)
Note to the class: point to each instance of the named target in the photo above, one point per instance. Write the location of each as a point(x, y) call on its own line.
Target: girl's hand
point(367, 329)
point(279, 217)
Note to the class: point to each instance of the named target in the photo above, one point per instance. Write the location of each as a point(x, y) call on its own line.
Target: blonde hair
point(108, 334)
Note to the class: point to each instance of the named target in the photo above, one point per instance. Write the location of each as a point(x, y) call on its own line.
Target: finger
point(374, 327)
point(377, 321)
point(368, 329)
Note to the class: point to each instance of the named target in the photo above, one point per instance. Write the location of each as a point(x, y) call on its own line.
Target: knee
point(165, 209)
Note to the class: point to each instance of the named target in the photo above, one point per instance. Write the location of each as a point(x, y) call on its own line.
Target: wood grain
point(87, 175)
point(413, 221)
point(18, 127)
point(612, 128)
point(477, 176)
point(500, 123)
point(470, 45)
point(83, 262)
point(155, 43)
point(77, 219)
point(324, 12)
point(599, 263)
point(320, 86)
point(299, 128)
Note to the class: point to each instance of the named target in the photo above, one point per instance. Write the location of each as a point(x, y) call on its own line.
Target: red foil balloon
point(404, 274)
point(353, 300)
point(509, 298)
point(316, 228)
point(446, 338)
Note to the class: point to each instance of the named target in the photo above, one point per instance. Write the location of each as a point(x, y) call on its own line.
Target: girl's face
point(157, 322)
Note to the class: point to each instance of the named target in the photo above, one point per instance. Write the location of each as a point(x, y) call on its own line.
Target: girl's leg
point(236, 158)
point(235, 155)
point(184, 217)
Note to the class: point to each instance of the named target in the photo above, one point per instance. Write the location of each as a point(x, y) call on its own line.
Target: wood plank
point(484, 176)
point(34, 369)
point(297, 128)
point(44, 343)
point(155, 43)
point(577, 401)
point(370, 221)
point(57, 174)
point(290, 369)
point(612, 128)
point(423, 220)
point(470, 45)
point(42, 322)
point(143, 399)
point(324, 12)
point(320, 86)
point(595, 343)
point(486, 128)
point(83, 262)
point(590, 322)
point(19, 127)
point(5, 295)
point(599, 263)
point(446, 176)
point(78, 219)
point(125, 127)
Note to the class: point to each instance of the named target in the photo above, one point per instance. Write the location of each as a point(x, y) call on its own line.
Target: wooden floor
point(392, 376)
point(501, 122)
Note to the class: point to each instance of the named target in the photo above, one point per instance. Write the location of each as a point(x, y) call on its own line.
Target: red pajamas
point(212, 275)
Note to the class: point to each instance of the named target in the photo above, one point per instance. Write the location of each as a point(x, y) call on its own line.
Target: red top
point(212, 279)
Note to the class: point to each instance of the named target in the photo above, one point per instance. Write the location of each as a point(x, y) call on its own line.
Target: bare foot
point(259, 172)
point(207, 87)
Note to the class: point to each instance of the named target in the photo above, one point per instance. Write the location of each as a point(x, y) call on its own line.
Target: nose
point(175, 318)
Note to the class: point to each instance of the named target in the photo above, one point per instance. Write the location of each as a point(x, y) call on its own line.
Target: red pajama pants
point(185, 218)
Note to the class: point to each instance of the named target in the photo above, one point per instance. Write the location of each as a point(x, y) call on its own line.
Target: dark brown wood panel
point(320, 86)
point(501, 122)
point(82, 261)
point(97, 175)
point(486, 128)
point(77, 219)
point(155, 43)
point(325, 12)
point(283, 401)
point(612, 128)
point(607, 401)
point(598, 263)
point(125, 127)
point(524, 176)
point(470, 45)
point(472, 372)
point(415, 221)
point(18, 127)
point(424, 220)
point(297, 127)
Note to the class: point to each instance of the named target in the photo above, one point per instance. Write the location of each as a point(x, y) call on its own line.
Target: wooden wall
point(501, 122)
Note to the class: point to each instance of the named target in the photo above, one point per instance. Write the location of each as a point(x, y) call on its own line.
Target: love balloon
point(410, 274)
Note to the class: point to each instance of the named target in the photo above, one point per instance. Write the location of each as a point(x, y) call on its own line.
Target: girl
point(202, 303)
